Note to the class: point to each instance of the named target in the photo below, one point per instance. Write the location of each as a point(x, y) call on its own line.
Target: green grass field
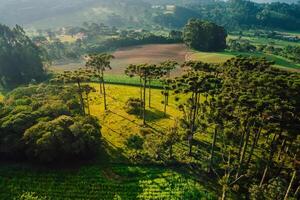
point(279, 61)
point(118, 125)
point(99, 182)
point(210, 57)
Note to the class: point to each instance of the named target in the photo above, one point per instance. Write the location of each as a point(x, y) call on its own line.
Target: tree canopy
point(205, 36)
point(20, 58)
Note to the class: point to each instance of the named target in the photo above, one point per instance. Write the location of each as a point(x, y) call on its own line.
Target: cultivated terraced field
point(99, 183)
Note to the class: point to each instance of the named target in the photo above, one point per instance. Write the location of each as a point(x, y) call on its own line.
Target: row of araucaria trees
point(250, 109)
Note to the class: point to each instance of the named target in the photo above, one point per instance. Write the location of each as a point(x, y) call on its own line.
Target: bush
point(133, 106)
point(146, 131)
point(63, 138)
point(135, 142)
point(43, 123)
point(30, 196)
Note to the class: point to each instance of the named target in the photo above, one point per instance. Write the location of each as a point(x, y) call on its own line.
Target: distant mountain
point(138, 13)
point(57, 13)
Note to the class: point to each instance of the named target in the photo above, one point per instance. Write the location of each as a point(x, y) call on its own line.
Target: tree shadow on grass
point(155, 115)
point(124, 117)
point(111, 154)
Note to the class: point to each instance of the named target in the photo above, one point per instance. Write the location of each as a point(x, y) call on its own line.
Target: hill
point(47, 14)
point(149, 13)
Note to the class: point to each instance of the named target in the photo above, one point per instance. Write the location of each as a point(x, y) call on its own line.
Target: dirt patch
point(153, 53)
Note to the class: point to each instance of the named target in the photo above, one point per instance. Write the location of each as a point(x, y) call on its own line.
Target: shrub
point(43, 123)
point(146, 131)
point(133, 106)
point(31, 196)
point(135, 142)
point(63, 138)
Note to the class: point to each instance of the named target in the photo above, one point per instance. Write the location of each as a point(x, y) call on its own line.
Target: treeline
point(45, 123)
point(243, 45)
point(21, 60)
point(114, 43)
point(96, 38)
point(236, 14)
point(246, 108)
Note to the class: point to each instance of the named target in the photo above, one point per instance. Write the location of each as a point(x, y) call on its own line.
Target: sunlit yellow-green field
point(1, 97)
point(117, 124)
point(209, 57)
point(67, 38)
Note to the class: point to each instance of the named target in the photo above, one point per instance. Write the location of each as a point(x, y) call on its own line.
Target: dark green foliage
point(133, 106)
point(64, 138)
point(237, 14)
point(135, 142)
point(205, 36)
point(43, 123)
point(20, 58)
point(241, 46)
point(178, 18)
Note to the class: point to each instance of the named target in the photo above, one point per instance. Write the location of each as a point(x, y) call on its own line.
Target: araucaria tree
point(204, 35)
point(197, 83)
point(166, 68)
point(78, 77)
point(146, 73)
point(100, 63)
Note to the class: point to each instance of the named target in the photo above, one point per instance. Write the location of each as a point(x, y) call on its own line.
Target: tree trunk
point(149, 93)
point(213, 148)
point(243, 152)
point(264, 176)
point(141, 97)
point(224, 190)
point(144, 102)
point(104, 91)
point(190, 141)
point(290, 185)
point(165, 104)
point(255, 141)
point(241, 144)
point(81, 97)
point(281, 148)
point(88, 104)
point(269, 161)
point(100, 83)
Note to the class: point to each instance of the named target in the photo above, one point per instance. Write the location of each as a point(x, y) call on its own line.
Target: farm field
point(209, 57)
point(99, 182)
point(279, 61)
point(157, 53)
point(154, 53)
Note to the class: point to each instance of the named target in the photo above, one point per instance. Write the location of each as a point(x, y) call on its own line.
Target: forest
point(200, 101)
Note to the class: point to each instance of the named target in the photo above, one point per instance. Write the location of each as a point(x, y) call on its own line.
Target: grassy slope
point(210, 57)
point(118, 125)
point(223, 56)
point(98, 181)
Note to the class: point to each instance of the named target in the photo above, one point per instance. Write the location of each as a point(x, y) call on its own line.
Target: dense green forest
point(232, 14)
point(179, 100)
